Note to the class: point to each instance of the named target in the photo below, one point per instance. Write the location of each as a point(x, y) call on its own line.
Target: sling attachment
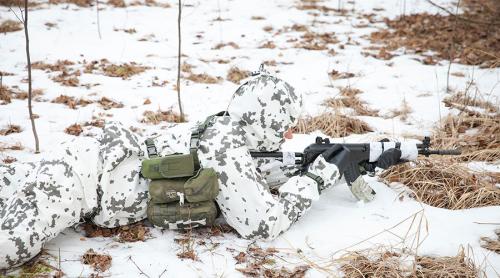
point(196, 134)
point(317, 179)
point(151, 148)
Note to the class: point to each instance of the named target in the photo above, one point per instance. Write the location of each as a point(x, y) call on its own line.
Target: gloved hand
point(362, 191)
point(339, 158)
point(387, 159)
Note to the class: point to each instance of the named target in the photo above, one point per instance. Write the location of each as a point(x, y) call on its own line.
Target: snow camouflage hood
point(266, 107)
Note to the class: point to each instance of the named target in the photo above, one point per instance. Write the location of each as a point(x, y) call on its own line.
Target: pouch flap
point(177, 165)
point(202, 187)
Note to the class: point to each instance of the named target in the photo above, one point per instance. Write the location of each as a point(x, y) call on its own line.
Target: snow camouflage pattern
point(98, 179)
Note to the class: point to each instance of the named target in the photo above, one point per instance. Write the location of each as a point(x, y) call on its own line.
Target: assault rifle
point(354, 155)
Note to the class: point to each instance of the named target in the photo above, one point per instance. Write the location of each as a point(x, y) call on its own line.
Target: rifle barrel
point(440, 152)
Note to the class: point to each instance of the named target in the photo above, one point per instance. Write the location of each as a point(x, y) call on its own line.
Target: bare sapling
point(451, 50)
point(28, 60)
point(179, 62)
point(97, 18)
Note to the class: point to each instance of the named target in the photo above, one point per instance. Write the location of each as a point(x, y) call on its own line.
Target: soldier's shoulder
point(223, 131)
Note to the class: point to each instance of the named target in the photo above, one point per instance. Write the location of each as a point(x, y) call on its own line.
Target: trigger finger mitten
point(389, 158)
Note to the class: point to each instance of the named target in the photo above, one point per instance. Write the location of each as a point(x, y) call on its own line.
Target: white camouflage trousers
point(85, 177)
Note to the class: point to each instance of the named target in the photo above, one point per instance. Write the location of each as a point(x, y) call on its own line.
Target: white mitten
point(362, 191)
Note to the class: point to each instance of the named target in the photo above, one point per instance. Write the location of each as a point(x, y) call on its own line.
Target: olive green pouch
point(204, 186)
point(177, 217)
point(170, 166)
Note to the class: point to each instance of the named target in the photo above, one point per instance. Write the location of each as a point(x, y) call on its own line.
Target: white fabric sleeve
point(246, 203)
point(326, 171)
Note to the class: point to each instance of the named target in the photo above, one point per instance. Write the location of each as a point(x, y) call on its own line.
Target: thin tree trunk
point(451, 50)
point(30, 96)
point(179, 63)
point(98, 21)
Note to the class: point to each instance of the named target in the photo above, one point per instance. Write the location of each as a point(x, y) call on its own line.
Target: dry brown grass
point(186, 67)
point(492, 244)
point(221, 45)
point(67, 75)
point(100, 262)
point(80, 3)
point(9, 160)
point(268, 44)
point(105, 67)
point(448, 266)
point(10, 129)
point(475, 129)
point(349, 99)
point(444, 184)
point(332, 124)
point(334, 74)
point(268, 28)
point(5, 95)
point(159, 116)
point(128, 31)
point(6, 147)
point(315, 41)
point(107, 103)
point(59, 65)
point(150, 3)
point(95, 122)
point(203, 78)
point(68, 78)
point(384, 263)
point(128, 233)
point(259, 262)
point(11, 3)
point(256, 17)
point(74, 129)
point(10, 26)
point(125, 70)
point(478, 136)
point(71, 102)
point(17, 3)
point(462, 39)
point(463, 101)
point(402, 111)
point(361, 265)
point(117, 3)
point(5, 73)
point(235, 75)
point(310, 5)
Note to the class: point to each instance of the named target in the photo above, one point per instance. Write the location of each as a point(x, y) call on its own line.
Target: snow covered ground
point(337, 221)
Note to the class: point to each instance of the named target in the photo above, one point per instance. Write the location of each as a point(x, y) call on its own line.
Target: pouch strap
point(151, 148)
point(196, 135)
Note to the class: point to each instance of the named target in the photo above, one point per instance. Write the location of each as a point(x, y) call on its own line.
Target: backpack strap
point(197, 133)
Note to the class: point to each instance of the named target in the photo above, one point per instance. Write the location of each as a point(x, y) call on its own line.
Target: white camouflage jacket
point(99, 179)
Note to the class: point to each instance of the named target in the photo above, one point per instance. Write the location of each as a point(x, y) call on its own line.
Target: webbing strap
point(196, 135)
point(151, 148)
point(317, 179)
